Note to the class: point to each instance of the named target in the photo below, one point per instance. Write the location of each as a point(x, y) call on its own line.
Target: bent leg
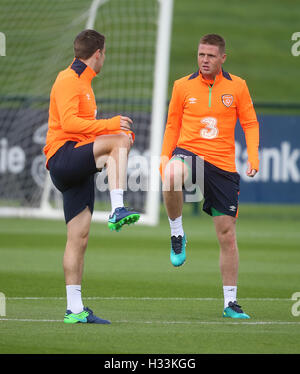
point(174, 176)
point(112, 151)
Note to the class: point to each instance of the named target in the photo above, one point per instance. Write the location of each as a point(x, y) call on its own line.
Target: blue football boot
point(234, 311)
point(177, 255)
point(86, 316)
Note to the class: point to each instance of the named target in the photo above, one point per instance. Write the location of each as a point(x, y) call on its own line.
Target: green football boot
point(120, 217)
point(86, 316)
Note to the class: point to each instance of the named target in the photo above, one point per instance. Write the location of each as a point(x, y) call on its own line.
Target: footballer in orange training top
point(203, 112)
point(77, 146)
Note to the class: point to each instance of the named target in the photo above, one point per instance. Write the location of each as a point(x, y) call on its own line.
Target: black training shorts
point(221, 187)
point(72, 171)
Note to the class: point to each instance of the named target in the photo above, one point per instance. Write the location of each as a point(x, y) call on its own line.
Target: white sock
point(116, 199)
point(74, 301)
point(176, 226)
point(229, 294)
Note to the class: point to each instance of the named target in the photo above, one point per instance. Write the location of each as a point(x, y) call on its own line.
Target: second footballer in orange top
point(202, 116)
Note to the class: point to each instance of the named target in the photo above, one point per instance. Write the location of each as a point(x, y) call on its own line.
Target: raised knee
point(124, 141)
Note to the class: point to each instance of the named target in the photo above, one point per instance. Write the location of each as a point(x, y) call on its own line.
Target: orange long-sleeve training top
point(202, 118)
point(72, 111)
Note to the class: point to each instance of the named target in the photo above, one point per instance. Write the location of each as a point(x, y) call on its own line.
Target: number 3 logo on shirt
point(210, 131)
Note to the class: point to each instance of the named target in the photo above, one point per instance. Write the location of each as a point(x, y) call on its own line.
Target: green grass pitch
point(154, 308)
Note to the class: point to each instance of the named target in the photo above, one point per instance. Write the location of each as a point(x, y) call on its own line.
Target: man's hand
point(125, 123)
point(250, 172)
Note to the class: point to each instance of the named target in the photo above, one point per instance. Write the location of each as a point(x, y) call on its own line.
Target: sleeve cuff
point(114, 123)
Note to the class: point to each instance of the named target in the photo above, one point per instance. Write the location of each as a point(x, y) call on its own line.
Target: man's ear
point(97, 54)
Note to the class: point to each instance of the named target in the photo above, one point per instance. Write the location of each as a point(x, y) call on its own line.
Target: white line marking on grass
point(30, 320)
point(150, 298)
point(213, 322)
point(167, 322)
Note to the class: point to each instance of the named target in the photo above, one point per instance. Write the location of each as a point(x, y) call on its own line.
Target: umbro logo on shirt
point(192, 100)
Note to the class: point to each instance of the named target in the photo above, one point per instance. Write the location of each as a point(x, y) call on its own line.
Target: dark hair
point(214, 39)
point(87, 42)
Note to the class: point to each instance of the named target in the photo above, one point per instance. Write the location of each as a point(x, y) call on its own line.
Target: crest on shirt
point(227, 100)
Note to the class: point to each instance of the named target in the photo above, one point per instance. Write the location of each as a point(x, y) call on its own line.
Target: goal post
point(133, 82)
point(161, 73)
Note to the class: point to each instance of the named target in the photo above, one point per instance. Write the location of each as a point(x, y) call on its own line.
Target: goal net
point(38, 36)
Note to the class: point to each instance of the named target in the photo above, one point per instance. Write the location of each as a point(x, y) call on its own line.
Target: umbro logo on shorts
point(232, 208)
